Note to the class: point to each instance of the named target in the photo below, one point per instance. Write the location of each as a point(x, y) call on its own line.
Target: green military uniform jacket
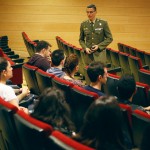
point(100, 34)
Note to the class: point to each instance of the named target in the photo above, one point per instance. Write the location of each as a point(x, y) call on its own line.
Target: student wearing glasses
point(95, 36)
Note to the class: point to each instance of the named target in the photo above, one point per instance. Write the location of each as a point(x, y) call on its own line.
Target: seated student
point(41, 58)
point(58, 59)
point(53, 109)
point(71, 66)
point(97, 73)
point(126, 89)
point(102, 128)
point(7, 92)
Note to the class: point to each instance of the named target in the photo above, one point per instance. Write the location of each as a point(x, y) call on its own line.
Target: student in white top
point(7, 92)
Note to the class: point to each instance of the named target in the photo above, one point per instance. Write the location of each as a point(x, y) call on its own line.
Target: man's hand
point(88, 51)
point(94, 48)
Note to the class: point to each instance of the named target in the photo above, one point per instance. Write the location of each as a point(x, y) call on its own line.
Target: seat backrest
point(70, 48)
point(147, 58)
point(127, 121)
point(63, 85)
point(120, 47)
point(135, 64)
point(80, 101)
point(140, 121)
point(59, 141)
point(144, 76)
point(132, 51)
point(114, 58)
point(140, 54)
point(123, 59)
point(141, 95)
point(111, 85)
point(30, 77)
point(32, 132)
point(8, 135)
point(126, 48)
point(44, 79)
point(65, 47)
point(78, 52)
point(30, 45)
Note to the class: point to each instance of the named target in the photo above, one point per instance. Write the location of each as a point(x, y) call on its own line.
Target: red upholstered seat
point(59, 141)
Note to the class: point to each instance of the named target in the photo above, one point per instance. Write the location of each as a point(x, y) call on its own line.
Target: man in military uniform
point(95, 36)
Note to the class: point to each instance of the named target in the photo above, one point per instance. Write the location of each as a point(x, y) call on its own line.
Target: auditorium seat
point(126, 48)
point(63, 85)
point(30, 77)
point(141, 95)
point(30, 45)
point(70, 48)
point(8, 135)
point(140, 121)
point(59, 141)
point(140, 54)
point(58, 42)
point(127, 121)
point(111, 85)
point(17, 69)
point(132, 51)
point(65, 48)
point(144, 76)
point(78, 52)
point(135, 64)
point(120, 47)
point(44, 79)
point(123, 59)
point(80, 100)
point(147, 58)
point(114, 58)
point(32, 133)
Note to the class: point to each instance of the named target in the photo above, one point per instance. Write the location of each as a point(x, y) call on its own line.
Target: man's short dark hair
point(92, 6)
point(126, 86)
point(41, 45)
point(94, 70)
point(57, 56)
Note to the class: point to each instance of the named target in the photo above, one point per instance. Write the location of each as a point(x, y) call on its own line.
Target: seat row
point(141, 97)
point(135, 124)
point(120, 62)
point(30, 45)
point(78, 98)
point(14, 60)
point(19, 131)
point(129, 64)
point(144, 56)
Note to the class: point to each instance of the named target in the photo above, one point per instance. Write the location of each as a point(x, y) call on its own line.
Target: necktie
point(92, 24)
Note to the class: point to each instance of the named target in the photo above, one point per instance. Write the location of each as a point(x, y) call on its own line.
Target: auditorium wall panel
point(129, 21)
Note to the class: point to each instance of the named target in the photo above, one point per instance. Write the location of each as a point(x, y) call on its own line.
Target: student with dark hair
point(126, 89)
point(95, 36)
point(7, 92)
point(58, 59)
point(71, 67)
point(97, 73)
point(41, 58)
point(102, 128)
point(53, 109)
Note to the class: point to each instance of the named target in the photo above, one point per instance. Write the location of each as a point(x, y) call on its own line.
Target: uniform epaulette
point(84, 21)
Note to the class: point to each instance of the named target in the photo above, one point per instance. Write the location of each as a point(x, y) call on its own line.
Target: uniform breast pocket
point(86, 32)
point(99, 31)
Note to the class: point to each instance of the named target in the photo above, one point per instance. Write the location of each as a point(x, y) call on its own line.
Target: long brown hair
point(70, 63)
point(53, 109)
point(102, 127)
